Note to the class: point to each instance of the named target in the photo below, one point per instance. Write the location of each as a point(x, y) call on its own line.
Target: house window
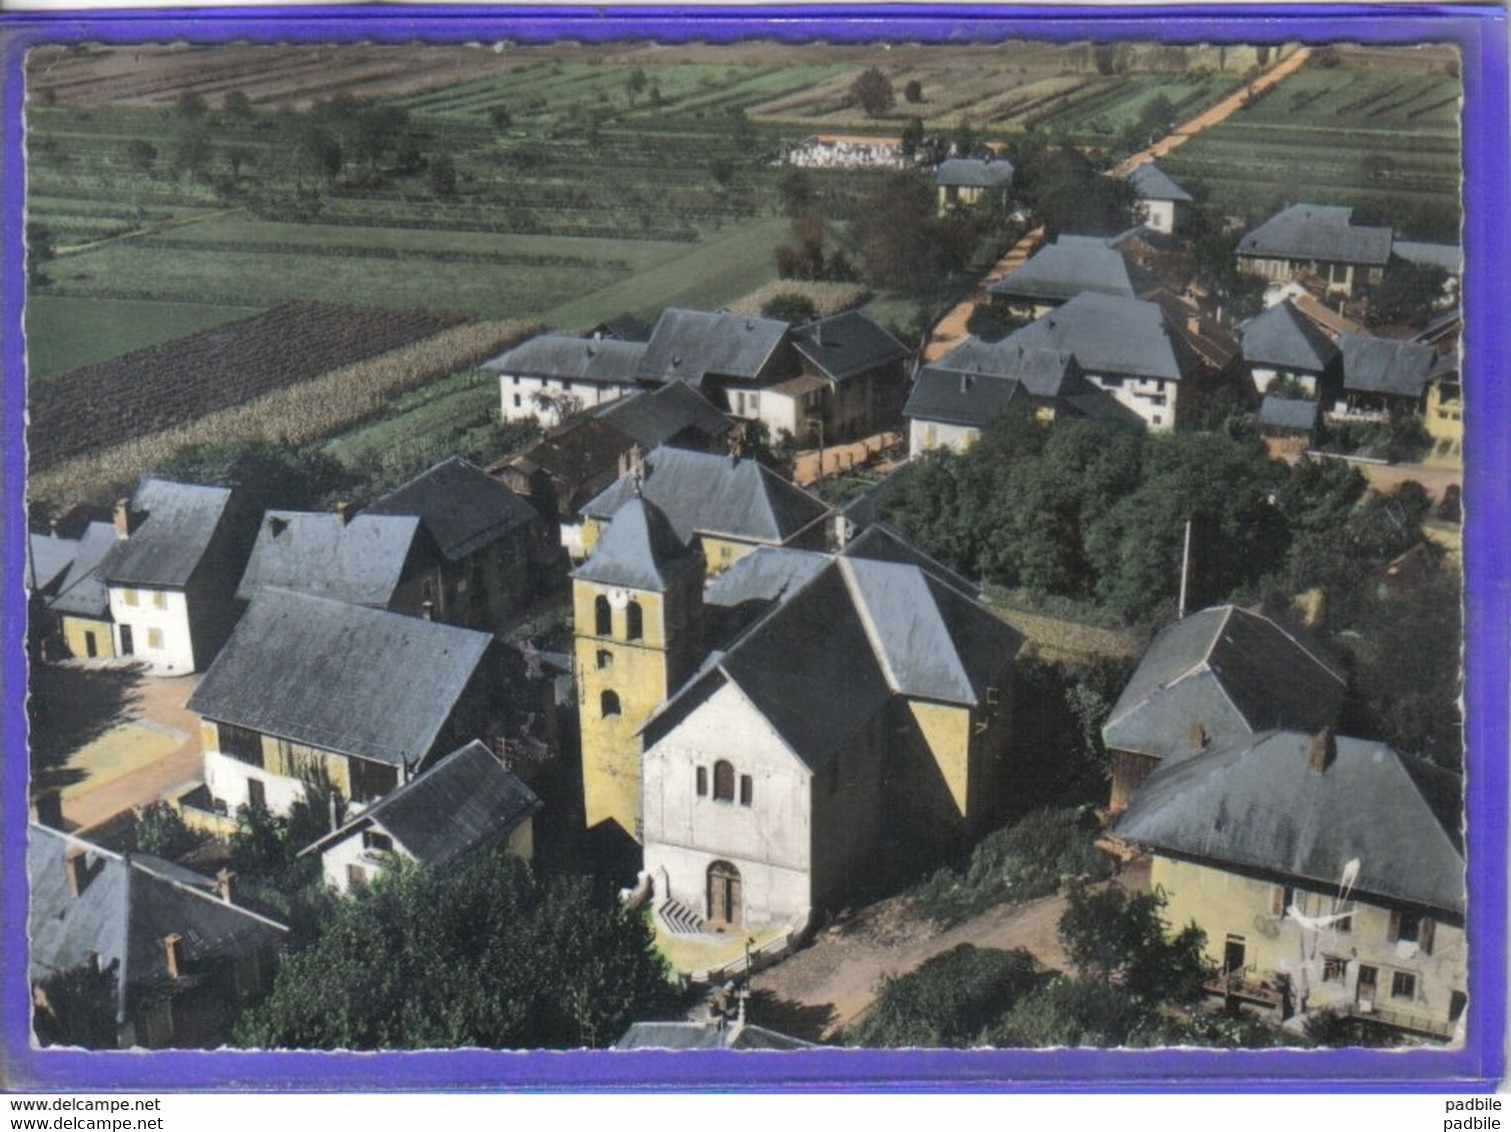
point(517, 403)
point(240, 743)
point(724, 781)
point(747, 790)
point(702, 781)
point(1344, 922)
point(1403, 984)
point(154, 638)
point(128, 596)
point(1157, 419)
point(634, 621)
point(603, 616)
point(1457, 1000)
point(1405, 927)
point(605, 659)
point(356, 876)
point(609, 703)
point(1282, 896)
point(376, 842)
point(159, 599)
point(1334, 969)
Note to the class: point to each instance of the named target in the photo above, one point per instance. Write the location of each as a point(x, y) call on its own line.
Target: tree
point(501, 118)
point(1406, 294)
point(482, 953)
point(872, 91)
point(191, 153)
point(912, 137)
point(158, 829)
point(237, 107)
point(236, 157)
point(1157, 116)
point(39, 249)
point(790, 306)
point(634, 84)
point(796, 192)
point(1105, 57)
point(1262, 54)
point(967, 142)
point(318, 153)
point(904, 244)
point(191, 106)
point(913, 92)
point(442, 175)
point(76, 1007)
point(1116, 939)
point(142, 154)
point(270, 474)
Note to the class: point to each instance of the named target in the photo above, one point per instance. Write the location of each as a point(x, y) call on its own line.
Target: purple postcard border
point(1479, 32)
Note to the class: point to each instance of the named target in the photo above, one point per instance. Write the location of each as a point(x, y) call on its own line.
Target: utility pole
point(1185, 572)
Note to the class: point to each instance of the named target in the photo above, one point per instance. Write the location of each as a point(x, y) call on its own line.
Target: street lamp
point(818, 423)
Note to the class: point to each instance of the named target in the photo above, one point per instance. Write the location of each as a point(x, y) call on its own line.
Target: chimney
point(344, 512)
point(76, 870)
point(50, 810)
point(225, 883)
point(427, 610)
point(1198, 736)
point(1321, 750)
point(965, 383)
point(173, 954)
point(277, 526)
point(1193, 325)
point(52, 527)
point(122, 518)
point(92, 961)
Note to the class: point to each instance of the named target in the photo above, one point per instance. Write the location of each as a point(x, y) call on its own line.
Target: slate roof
point(463, 507)
point(959, 399)
point(638, 549)
point(1044, 372)
point(703, 493)
point(695, 1035)
point(1282, 337)
point(847, 344)
point(1283, 412)
point(771, 573)
point(361, 561)
point(123, 912)
point(1385, 365)
point(688, 345)
point(82, 590)
point(1153, 183)
point(466, 801)
point(975, 172)
point(1450, 257)
point(1110, 334)
point(1321, 232)
point(174, 525)
point(1258, 805)
point(48, 558)
point(656, 416)
point(1440, 325)
point(340, 677)
point(821, 664)
point(1062, 270)
point(605, 361)
point(1232, 671)
point(881, 543)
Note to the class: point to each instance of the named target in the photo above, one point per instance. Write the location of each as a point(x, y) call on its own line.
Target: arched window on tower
point(603, 615)
point(605, 659)
point(634, 621)
point(724, 782)
point(609, 702)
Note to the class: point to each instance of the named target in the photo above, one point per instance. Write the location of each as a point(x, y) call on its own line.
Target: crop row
point(369, 251)
point(317, 407)
point(165, 385)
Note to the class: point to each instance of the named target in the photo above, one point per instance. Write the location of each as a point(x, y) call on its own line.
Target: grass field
point(1344, 135)
point(54, 342)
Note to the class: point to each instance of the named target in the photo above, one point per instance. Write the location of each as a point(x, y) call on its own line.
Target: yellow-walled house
point(81, 603)
point(1444, 416)
point(466, 802)
point(1322, 240)
point(971, 180)
point(637, 606)
point(1327, 873)
point(310, 689)
point(724, 505)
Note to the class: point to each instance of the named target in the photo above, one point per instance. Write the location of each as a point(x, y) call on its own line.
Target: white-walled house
point(1159, 196)
point(172, 573)
point(465, 803)
point(1127, 347)
point(1282, 344)
point(550, 376)
point(313, 689)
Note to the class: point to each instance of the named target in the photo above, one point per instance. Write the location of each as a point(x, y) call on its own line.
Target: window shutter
point(1424, 937)
point(1277, 900)
point(1395, 926)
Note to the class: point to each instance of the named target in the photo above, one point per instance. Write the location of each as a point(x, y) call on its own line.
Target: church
point(775, 734)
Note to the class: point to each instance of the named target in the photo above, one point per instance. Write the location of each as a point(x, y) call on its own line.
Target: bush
point(159, 830)
point(1022, 861)
point(950, 1000)
point(790, 306)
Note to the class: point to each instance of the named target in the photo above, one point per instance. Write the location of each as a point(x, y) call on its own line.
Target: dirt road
point(1215, 114)
point(951, 330)
point(833, 982)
